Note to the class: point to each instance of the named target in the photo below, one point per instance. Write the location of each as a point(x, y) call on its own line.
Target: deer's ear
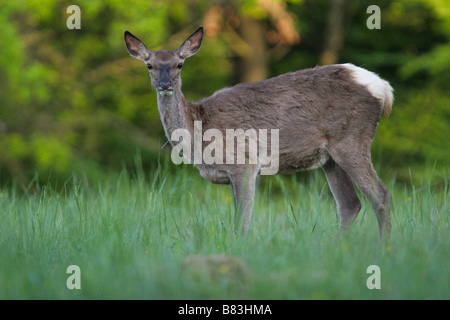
point(192, 44)
point(136, 47)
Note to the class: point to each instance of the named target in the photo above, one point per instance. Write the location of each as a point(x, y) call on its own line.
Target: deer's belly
point(214, 175)
point(293, 162)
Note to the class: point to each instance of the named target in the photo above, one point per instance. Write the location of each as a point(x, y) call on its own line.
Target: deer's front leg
point(243, 185)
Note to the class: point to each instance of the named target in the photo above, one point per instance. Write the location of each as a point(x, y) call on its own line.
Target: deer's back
point(312, 108)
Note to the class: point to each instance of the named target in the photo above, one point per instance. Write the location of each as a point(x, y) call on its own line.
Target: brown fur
point(324, 116)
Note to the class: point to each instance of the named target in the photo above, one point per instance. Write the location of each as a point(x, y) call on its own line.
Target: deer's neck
point(177, 113)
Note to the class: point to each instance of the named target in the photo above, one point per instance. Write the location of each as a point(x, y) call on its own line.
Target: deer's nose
point(165, 85)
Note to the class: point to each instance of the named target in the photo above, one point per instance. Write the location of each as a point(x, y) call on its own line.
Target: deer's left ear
point(192, 44)
point(136, 47)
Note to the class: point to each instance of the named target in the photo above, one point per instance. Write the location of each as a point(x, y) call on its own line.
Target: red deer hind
point(325, 116)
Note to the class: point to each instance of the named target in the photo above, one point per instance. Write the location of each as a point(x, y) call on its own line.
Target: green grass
point(131, 237)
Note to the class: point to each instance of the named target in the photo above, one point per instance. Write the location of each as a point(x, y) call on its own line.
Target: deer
point(326, 116)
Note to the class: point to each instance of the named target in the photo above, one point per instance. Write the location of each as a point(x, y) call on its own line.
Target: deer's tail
point(388, 98)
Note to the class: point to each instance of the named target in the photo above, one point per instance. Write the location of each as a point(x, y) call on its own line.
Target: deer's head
point(164, 66)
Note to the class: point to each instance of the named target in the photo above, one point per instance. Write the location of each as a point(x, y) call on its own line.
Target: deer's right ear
point(192, 44)
point(136, 47)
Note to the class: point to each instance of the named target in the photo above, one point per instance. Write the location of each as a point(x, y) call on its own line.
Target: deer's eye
point(179, 65)
point(149, 66)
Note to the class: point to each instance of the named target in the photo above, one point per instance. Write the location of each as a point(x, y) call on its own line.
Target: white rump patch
point(370, 80)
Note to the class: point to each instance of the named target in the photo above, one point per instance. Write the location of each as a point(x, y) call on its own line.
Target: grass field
point(169, 235)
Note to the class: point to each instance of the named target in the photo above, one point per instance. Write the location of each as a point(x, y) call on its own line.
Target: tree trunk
point(254, 64)
point(334, 37)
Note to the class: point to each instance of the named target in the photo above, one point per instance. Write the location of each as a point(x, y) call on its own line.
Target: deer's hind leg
point(344, 194)
point(356, 162)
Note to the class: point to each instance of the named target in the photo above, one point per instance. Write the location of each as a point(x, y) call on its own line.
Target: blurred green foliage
point(75, 101)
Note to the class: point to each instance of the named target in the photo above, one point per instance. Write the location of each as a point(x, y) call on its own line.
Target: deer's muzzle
point(165, 88)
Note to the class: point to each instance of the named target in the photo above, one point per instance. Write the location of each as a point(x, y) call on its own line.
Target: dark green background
point(74, 101)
